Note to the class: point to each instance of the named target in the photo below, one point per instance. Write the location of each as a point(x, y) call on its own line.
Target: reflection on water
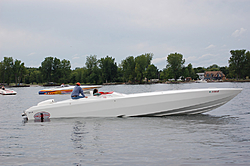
point(78, 135)
point(86, 138)
point(97, 139)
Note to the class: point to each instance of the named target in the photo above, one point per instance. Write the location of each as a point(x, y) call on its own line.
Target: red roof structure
point(214, 75)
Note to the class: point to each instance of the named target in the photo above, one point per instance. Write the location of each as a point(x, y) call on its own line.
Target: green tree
point(36, 76)
point(33, 75)
point(7, 66)
point(28, 78)
point(119, 77)
point(199, 70)
point(19, 70)
point(56, 70)
point(128, 69)
point(213, 67)
point(191, 72)
point(94, 77)
point(53, 69)
point(65, 71)
point(224, 70)
point(73, 76)
point(109, 68)
point(91, 61)
point(166, 74)
point(93, 72)
point(22, 73)
point(141, 64)
point(184, 73)
point(236, 62)
point(2, 71)
point(247, 64)
point(46, 69)
point(79, 75)
point(175, 63)
point(151, 72)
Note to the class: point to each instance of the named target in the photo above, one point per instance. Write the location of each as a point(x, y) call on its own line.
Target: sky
point(203, 31)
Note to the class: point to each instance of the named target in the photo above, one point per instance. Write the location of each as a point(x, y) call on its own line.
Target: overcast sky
point(203, 31)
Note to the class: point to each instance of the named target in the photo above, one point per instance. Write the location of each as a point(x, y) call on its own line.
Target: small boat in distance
point(200, 81)
point(7, 92)
point(65, 89)
point(163, 103)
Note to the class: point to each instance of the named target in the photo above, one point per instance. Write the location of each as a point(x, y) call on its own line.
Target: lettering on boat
point(214, 91)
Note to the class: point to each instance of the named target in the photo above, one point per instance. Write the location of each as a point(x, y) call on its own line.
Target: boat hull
point(163, 103)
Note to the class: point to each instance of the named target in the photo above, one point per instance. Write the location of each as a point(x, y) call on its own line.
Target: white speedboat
point(66, 90)
point(114, 104)
point(7, 92)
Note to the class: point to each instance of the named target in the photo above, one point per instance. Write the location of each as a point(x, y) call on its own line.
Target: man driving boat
point(77, 91)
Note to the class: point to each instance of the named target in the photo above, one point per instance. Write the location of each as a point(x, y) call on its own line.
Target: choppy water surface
point(219, 137)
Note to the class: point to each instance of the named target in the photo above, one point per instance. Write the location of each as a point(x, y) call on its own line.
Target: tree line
point(105, 70)
point(11, 71)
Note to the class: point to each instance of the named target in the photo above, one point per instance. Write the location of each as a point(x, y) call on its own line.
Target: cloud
point(75, 56)
point(85, 55)
point(33, 53)
point(24, 39)
point(158, 60)
point(206, 60)
point(210, 46)
point(238, 32)
point(191, 58)
point(30, 30)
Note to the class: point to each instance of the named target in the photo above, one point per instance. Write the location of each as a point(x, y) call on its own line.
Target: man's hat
point(78, 83)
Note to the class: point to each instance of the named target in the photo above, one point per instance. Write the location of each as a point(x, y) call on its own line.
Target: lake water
point(219, 137)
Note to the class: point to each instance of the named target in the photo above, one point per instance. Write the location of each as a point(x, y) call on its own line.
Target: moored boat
point(7, 92)
point(174, 102)
point(200, 81)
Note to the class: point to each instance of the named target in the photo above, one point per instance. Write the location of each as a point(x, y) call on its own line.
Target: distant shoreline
point(124, 83)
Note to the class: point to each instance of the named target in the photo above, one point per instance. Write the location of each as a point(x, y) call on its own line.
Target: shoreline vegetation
point(124, 83)
point(132, 70)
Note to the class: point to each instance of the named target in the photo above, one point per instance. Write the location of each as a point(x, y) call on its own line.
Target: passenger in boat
point(77, 91)
point(95, 92)
point(62, 85)
point(3, 88)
